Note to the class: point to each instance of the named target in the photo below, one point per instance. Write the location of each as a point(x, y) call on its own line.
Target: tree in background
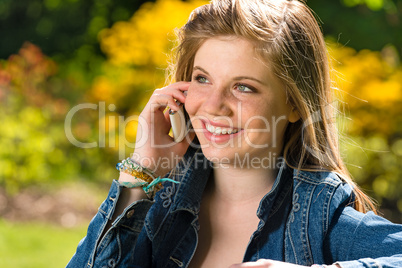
point(361, 24)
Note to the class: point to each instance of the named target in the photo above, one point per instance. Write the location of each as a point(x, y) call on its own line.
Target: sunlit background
point(57, 159)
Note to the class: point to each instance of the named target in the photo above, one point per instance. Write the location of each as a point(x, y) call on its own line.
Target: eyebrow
point(237, 78)
point(201, 69)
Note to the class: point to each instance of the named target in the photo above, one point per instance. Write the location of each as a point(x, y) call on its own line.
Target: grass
point(37, 244)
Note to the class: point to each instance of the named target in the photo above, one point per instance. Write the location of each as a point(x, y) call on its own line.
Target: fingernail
point(171, 112)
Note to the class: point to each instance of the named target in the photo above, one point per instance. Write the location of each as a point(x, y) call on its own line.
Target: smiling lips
point(221, 130)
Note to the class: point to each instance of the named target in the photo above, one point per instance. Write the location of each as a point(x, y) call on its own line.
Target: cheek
point(193, 100)
point(269, 118)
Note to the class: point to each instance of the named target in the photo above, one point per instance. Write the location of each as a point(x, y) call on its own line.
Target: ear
point(293, 116)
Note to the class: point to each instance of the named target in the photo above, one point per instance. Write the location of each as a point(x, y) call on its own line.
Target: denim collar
point(194, 171)
point(274, 199)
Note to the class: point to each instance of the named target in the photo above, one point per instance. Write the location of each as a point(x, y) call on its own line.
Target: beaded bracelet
point(134, 169)
point(143, 177)
point(156, 185)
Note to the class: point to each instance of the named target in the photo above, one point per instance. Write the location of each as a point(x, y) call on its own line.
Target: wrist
point(133, 175)
point(145, 162)
point(134, 193)
point(326, 266)
point(138, 192)
point(125, 177)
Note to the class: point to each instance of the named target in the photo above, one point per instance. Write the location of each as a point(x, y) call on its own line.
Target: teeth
point(221, 131)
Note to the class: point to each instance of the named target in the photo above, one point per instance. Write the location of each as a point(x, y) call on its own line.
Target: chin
point(229, 157)
point(217, 156)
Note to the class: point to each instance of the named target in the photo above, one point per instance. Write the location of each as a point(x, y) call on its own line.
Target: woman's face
point(237, 107)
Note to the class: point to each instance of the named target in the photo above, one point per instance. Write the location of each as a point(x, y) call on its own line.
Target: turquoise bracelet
point(143, 177)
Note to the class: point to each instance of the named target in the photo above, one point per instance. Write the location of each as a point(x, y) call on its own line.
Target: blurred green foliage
point(361, 24)
point(34, 103)
point(59, 27)
point(370, 90)
point(112, 54)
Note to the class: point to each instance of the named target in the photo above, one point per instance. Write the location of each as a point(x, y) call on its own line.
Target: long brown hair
point(286, 36)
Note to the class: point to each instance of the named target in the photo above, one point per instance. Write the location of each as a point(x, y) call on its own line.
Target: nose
point(218, 102)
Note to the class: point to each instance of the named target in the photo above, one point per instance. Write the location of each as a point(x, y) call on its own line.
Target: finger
point(179, 86)
point(246, 264)
point(166, 114)
point(162, 99)
point(174, 93)
point(261, 263)
point(159, 101)
point(176, 90)
point(183, 86)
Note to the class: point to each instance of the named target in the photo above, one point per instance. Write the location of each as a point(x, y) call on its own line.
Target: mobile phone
point(180, 122)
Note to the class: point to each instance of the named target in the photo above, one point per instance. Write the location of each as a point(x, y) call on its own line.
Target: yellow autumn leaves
point(147, 36)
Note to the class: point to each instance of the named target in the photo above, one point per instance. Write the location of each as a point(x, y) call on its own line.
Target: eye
point(244, 88)
point(201, 79)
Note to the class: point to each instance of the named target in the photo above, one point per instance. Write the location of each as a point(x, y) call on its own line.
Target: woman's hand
point(154, 148)
point(263, 263)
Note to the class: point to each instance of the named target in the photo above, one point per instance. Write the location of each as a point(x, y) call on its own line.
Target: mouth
point(220, 130)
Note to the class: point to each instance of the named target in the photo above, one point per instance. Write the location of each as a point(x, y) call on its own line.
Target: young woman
point(259, 181)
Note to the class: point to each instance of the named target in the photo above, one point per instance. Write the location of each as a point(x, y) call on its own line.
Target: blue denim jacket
point(305, 219)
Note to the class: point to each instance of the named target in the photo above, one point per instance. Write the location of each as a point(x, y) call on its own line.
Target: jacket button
point(130, 214)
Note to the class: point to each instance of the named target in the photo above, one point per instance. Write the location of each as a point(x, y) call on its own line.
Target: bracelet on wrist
point(134, 169)
point(142, 177)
